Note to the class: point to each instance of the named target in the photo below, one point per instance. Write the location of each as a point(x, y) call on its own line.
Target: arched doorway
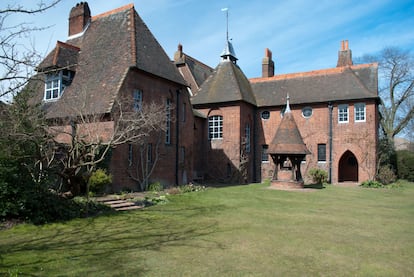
point(348, 168)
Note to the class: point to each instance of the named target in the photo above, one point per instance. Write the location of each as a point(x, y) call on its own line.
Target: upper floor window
point(265, 115)
point(137, 98)
point(343, 113)
point(168, 122)
point(247, 136)
point(359, 112)
point(215, 127)
point(307, 112)
point(56, 83)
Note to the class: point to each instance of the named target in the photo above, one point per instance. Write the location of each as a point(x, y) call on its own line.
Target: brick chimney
point(79, 18)
point(268, 66)
point(178, 55)
point(344, 55)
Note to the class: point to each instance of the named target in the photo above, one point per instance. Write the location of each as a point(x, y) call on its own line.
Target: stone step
point(123, 204)
point(114, 202)
point(129, 208)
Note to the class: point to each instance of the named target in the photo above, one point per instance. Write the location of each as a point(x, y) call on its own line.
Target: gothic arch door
point(348, 168)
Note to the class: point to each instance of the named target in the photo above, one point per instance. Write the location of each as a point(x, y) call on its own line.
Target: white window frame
point(307, 108)
point(343, 113)
point(215, 127)
point(137, 98)
point(53, 83)
point(360, 112)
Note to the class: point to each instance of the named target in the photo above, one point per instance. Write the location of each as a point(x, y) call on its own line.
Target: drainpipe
point(254, 148)
point(177, 131)
point(330, 107)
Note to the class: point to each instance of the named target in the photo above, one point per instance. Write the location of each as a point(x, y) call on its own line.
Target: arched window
point(215, 127)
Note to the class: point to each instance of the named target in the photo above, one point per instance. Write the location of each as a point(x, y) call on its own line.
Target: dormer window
point(56, 83)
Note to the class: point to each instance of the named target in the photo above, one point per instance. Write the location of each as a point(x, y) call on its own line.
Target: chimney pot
point(79, 17)
point(344, 55)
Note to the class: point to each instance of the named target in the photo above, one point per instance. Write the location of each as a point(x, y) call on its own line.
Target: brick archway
point(348, 168)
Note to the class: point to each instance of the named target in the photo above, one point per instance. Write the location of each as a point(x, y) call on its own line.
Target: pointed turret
point(287, 139)
point(228, 53)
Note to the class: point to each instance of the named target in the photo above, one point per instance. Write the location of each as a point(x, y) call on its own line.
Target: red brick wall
point(358, 137)
point(222, 156)
point(158, 90)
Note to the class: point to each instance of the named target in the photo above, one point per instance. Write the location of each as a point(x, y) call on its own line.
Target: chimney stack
point(268, 66)
point(344, 55)
point(178, 55)
point(79, 18)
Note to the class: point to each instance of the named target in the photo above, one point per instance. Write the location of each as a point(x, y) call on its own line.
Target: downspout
point(254, 145)
point(177, 131)
point(330, 107)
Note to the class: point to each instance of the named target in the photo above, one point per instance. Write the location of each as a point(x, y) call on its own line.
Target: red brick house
point(114, 56)
point(336, 111)
point(221, 123)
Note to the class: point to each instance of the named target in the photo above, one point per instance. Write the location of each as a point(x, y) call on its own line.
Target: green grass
point(233, 231)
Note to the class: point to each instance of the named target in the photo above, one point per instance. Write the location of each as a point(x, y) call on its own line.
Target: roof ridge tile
point(117, 10)
point(312, 73)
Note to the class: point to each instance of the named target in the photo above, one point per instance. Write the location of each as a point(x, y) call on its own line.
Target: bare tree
point(25, 138)
point(145, 162)
point(87, 138)
point(17, 60)
point(396, 84)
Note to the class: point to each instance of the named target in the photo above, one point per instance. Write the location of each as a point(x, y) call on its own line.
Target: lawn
point(234, 231)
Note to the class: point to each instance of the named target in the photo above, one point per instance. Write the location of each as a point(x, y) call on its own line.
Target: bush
point(99, 180)
point(318, 175)
point(156, 187)
point(191, 188)
point(386, 175)
point(371, 184)
point(405, 165)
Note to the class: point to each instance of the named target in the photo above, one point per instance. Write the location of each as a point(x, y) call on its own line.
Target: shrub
point(318, 175)
point(386, 175)
point(191, 187)
point(155, 187)
point(99, 180)
point(405, 165)
point(371, 184)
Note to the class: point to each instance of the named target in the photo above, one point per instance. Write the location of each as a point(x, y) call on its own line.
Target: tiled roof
point(64, 55)
point(336, 84)
point(287, 139)
point(227, 83)
point(112, 43)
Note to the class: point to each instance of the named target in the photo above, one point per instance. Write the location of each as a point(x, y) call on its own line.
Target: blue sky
point(302, 34)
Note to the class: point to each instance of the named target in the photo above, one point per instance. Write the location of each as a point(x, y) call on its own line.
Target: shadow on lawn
point(314, 186)
point(100, 244)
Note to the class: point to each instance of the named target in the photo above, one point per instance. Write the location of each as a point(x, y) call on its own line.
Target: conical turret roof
point(287, 139)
